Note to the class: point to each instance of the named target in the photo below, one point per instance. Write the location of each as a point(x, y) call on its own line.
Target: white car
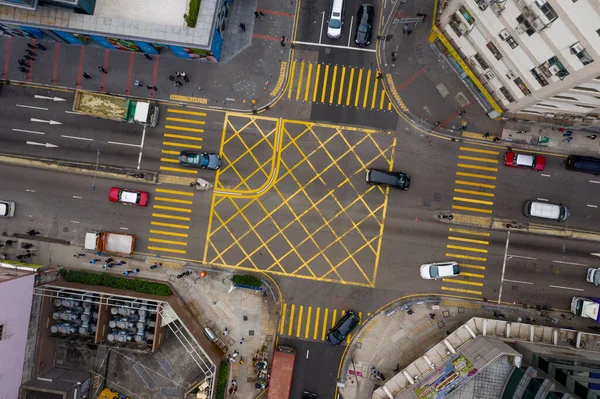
point(7, 209)
point(433, 271)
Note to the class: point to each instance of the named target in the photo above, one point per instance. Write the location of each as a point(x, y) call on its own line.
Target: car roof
point(128, 196)
point(522, 159)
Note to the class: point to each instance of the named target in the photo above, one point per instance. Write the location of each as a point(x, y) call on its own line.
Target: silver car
point(7, 209)
point(433, 271)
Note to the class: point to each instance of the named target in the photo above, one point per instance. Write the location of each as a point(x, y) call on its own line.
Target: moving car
point(433, 271)
point(342, 328)
point(7, 209)
point(128, 197)
point(393, 179)
point(545, 210)
point(514, 160)
point(364, 25)
point(204, 160)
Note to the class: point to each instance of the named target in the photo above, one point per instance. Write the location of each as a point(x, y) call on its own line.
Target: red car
point(128, 197)
point(514, 160)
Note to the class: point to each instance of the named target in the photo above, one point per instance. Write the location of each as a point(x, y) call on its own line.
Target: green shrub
point(247, 279)
point(222, 380)
point(192, 16)
point(123, 283)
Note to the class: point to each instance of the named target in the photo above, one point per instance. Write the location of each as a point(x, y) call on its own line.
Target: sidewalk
point(251, 61)
point(211, 299)
point(392, 339)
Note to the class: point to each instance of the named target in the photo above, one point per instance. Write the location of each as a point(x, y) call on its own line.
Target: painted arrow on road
point(51, 98)
point(47, 145)
point(51, 122)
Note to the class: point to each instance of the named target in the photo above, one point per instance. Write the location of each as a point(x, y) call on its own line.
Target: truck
point(114, 243)
point(585, 307)
point(116, 108)
point(282, 369)
point(593, 276)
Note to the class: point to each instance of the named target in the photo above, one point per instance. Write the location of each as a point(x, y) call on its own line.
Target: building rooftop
point(159, 12)
point(9, 271)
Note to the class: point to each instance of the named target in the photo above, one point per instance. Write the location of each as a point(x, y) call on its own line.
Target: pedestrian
point(101, 69)
point(225, 331)
point(231, 359)
point(243, 27)
point(33, 232)
point(147, 56)
point(182, 74)
point(379, 75)
point(93, 261)
point(233, 382)
point(24, 70)
point(28, 58)
point(20, 257)
point(9, 242)
point(496, 139)
point(186, 79)
point(178, 83)
point(241, 360)
point(171, 78)
point(261, 14)
point(486, 135)
point(177, 74)
point(405, 28)
point(282, 41)
point(423, 16)
point(235, 354)
point(109, 260)
point(121, 263)
point(31, 53)
point(408, 32)
point(461, 112)
point(87, 75)
point(137, 82)
point(41, 47)
point(242, 341)
point(31, 46)
point(105, 266)
point(23, 63)
point(592, 137)
point(126, 273)
point(256, 15)
point(432, 316)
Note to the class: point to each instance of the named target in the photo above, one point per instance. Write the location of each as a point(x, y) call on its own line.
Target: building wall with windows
point(539, 57)
point(16, 296)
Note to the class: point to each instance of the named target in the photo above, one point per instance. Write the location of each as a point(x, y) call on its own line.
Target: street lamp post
point(96, 172)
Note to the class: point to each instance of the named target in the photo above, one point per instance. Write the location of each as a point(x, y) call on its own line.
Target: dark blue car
point(203, 160)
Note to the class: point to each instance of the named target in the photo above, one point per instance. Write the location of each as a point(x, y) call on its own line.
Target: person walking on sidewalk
point(151, 87)
point(28, 58)
point(41, 47)
point(405, 28)
point(101, 69)
point(186, 79)
point(87, 75)
point(592, 137)
point(137, 82)
point(23, 63)
point(256, 15)
point(147, 56)
point(24, 70)
point(31, 53)
point(243, 27)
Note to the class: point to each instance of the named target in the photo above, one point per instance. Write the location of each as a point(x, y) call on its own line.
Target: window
point(512, 42)
point(539, 77)
point(519, 82)
point(1, 331)
point(494, 50)
point(481, 61)
point(466, 15)
point(548, 11)
point(525, 25)
point(506, 94)
point(585, 57)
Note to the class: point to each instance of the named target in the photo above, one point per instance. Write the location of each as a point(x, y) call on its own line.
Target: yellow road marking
point(169, 160)
point(478, 159)
point(382, 97)
point(457, 281)
point(175, 251)
point(471, 232)
point(472, 201)
point(316, 86)
point(333, 79)
point(300, 80)
point(341, 85)
point(291, 326)
point(187, 129)
point(182, 244)
point(468, 249)
point(482, 193)
point(192, 121)
point(182, 170)
point(389, 107)
point(172, 208)
point(367, 88)
point(374, 95)
point(465, 208)
point(468, 257)
point(324, 324)
point(292, 72)
point(468, 166)
point(482, 242)
point(470, 183)
point(174, 226)
point(475, 275)
point(468, 266)
point(470, 149)
point(183, 137)
point(282, 324)
point(169, 233)
point(299, 322)
point(169, 152)
point(308, 314)
point(476, 175)
point(177, 192)
point(173, 144)
point(308, 81)
point(350, 87)
point(178, 201)
point(165, 216)
point(316, 331)
point(333, 318)
point(360, 74)
point(461, 290)
point(185, 112)
point(324, 88)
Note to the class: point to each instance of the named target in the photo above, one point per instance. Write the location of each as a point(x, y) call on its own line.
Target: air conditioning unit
point(577, 48)
point(504, 34)
point(483, 6)
point(489, 75)
point(554, 69)
point(511, 75)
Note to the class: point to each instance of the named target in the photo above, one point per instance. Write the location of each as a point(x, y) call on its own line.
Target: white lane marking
point(543, 199)
point(322, 23)
point(521, 257)
point(503, 267)
point(76, 138)
point(30, 191)
point(569, 263)
point(307, 353)
point(124, 228)
point(50, 122)
point(28, 131)
point(566, 288)
point(77, 197)
point(72, 112)
point(74, 221)
point(592, 206)
point(49, 98)
point(366, 50)
point(47, 145)
point(126, 144)
point(32, 107)
point(142, 147)
point(595, 181)
point(350, 35)
point(545, 175)
point(520, 282)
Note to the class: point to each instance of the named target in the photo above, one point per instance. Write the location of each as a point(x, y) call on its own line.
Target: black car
point(364, 25)
point(386, 178)
point(342, 328)
point(201, 160)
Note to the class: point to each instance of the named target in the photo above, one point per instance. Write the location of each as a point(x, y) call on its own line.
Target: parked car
point(393, 179)
point(364, 25)
point(433, 271)
point(342, 328)
point(7, 209)
point(128, 197)
point(203, 160)
point(514, 160)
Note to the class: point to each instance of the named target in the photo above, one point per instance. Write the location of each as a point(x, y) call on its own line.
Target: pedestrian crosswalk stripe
point(191, 121)
point(463, 282)
point(283, 318)
point(316, 88)
point(307, 89)
point(472, 201)
point(169, 233)
point(470, 232)
point(467, 208)
point(461, 290)
point(333, 80)
point(172, 250)
point(171, 225)
point(481, 193)
point(349, 94)
point(478, 176)
point(473, 184)
point(468, 249)
point(180, 145)
point(468, 257)
point(299, 326)
point(169, 160)
point(470, 149)
point(368, 82)
point(474, 275)
point(477, 159)
point(469, 166)
point(462, 239)
point(300, 78)
point(165, 216)
point(469, 266)
point(186, 112)
point(316, 329)
point(174, 200)
point(291, 325)
point(293, 68)
point(358, 84)
point(308, 320)
point(184, 128)
point(191, 172)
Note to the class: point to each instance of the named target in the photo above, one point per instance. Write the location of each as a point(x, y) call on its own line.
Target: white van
point(545, 211)
point(336, 19)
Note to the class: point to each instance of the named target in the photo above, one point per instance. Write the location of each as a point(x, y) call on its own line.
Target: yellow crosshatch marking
point(296, 202)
